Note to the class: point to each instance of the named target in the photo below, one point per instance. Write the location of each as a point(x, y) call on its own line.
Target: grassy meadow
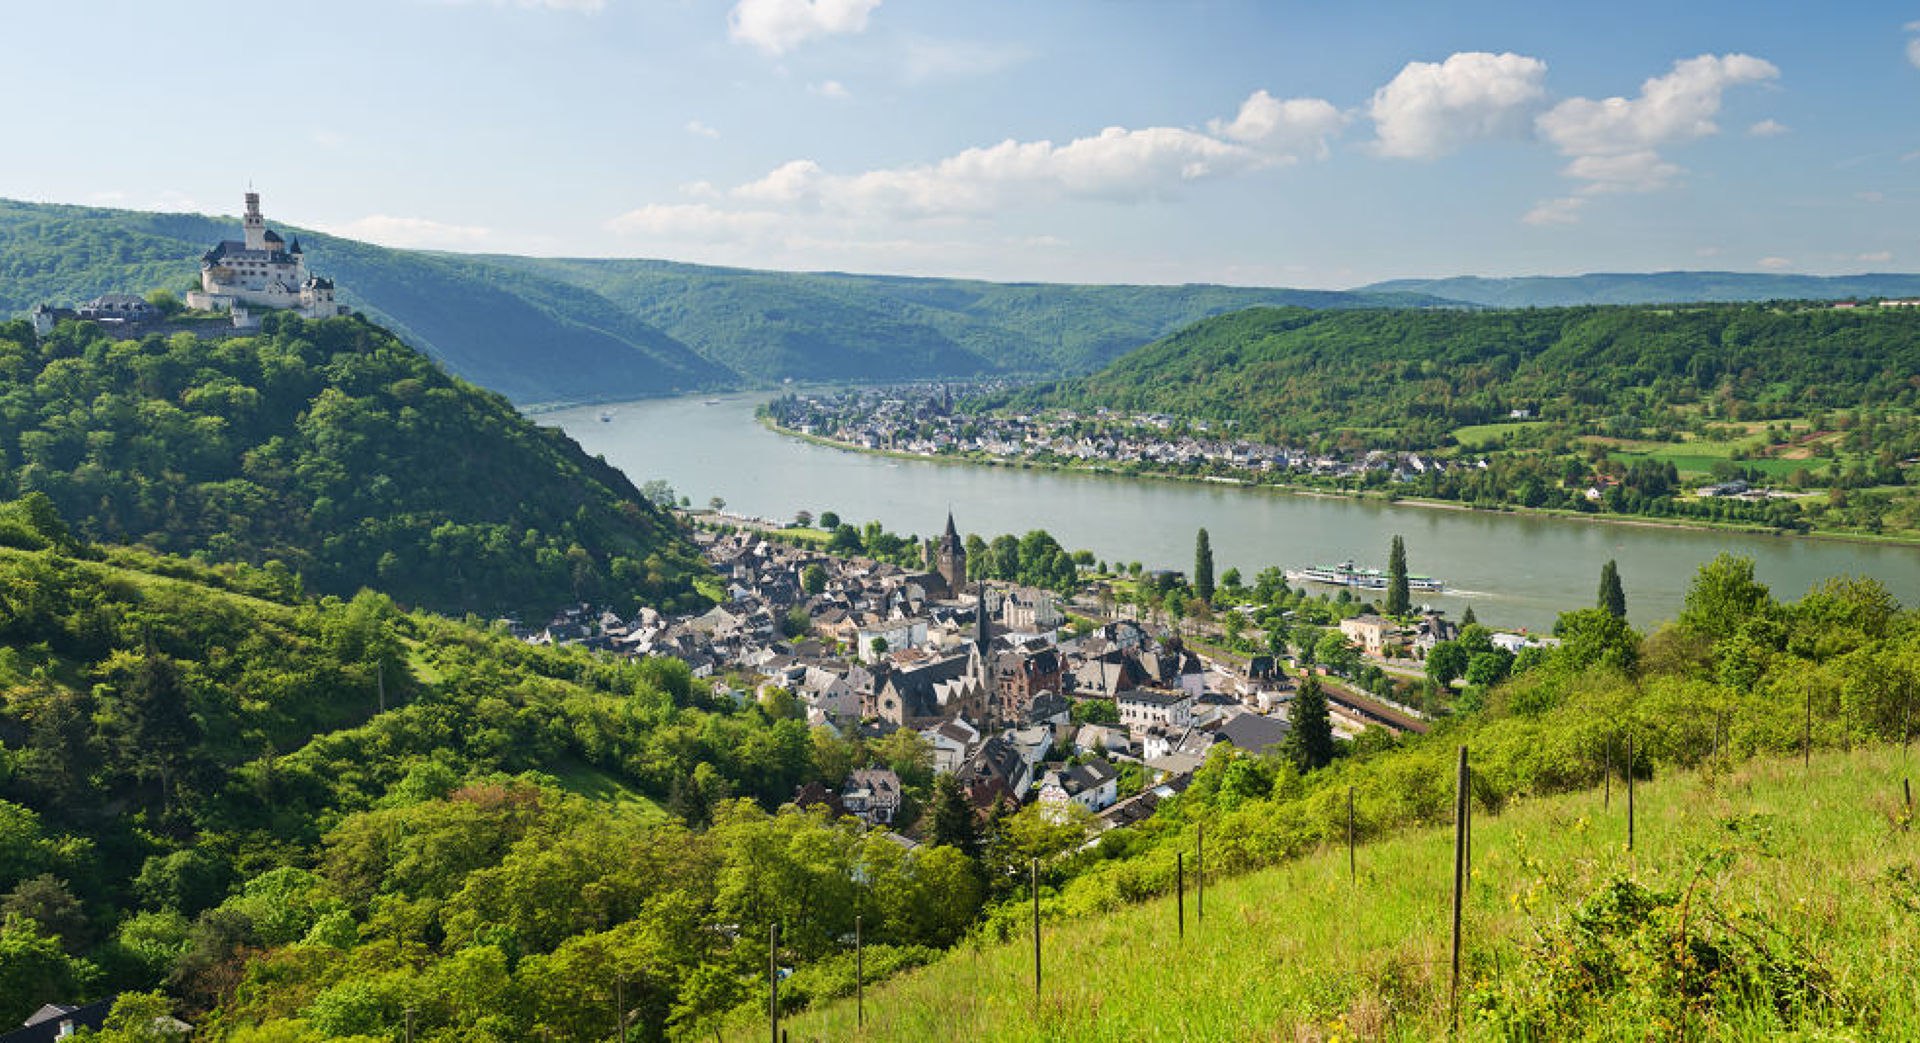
point(1761, 901)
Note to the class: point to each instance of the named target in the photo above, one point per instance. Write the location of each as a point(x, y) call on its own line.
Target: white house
point(1141, 708)
point(953, 742)
point(1031, 612)
point(897, 633)
point(1094, 785)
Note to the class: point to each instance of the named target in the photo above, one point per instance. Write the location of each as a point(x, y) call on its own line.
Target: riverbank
point(1355, 495)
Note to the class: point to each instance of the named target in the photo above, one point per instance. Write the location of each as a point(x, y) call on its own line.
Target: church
point(262, 270)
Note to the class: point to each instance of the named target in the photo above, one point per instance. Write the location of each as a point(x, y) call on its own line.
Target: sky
point(1255, 143)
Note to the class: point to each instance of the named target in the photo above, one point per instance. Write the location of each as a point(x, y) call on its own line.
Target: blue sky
point(1126, 140)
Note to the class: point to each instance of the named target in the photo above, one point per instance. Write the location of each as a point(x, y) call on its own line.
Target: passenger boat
point(1347, 574)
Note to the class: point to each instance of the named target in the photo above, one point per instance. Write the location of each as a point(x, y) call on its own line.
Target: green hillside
point(332, 451)
point(279, 809)
point(540, 330)
point(1289, 373)
point(1760, 902)
point(1554, 291)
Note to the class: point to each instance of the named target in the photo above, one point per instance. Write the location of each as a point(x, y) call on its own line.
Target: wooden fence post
point(773, 981)
point(1180, 890)
point(1035, 881)
point(1806, 736)
point(1460, 812)
point(1629, 791)
point(1606, 799)
point(1200, 875)
point(859, 976)
point(1353, 872)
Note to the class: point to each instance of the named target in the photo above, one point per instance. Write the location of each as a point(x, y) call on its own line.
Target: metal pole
point(859, 976)
point(1459, 880)
point(1034, 879)
point(773, 981)
point(1353, 873)
point(1180, 890)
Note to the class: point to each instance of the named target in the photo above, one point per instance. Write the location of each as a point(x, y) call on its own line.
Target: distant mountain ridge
point(544, 330)
point(1556, 291)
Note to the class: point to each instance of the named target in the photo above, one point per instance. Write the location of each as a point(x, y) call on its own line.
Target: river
point(1521, 571)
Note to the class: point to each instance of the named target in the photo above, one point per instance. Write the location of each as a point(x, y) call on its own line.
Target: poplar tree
point(1613, 597)
point(1203, 566)
point(1310, 744)
point(1397, 601)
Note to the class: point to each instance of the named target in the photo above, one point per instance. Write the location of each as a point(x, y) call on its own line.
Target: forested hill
point(334, 450)
point(1553, 291)
point(1411, 377)
point(539, 330)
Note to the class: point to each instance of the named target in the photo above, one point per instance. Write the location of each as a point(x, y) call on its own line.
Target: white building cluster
point(262, 270)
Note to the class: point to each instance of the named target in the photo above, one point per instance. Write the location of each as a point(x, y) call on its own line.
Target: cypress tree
point(1310, 744)
point(953, 822)
point(1203, 567)
point(1397, 600)
point(1613, 597)
point(1466, 618)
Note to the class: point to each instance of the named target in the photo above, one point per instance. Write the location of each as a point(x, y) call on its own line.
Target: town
point(1022, 695)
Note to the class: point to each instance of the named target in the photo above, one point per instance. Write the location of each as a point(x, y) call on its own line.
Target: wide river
point(1521, 571)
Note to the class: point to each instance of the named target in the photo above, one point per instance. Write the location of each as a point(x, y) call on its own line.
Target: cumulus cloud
point(1556, 211)
point(699, 129)
point(691, 221)
point(779, 26)
point(833, 89)
point(1117, 164)
point(1875, 257)
point(1432, 108)
point(1613, 144)
point(1774, 264)
point(1913, 45)
point(417, 232)
point(1768, 128)
point(1288, 127)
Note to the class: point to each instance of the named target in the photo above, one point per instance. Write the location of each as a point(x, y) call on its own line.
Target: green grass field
point(1818, 874)
point(1480, 436)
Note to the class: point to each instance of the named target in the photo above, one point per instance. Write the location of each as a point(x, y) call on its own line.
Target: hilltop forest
point(335, 456)
point(1637, 404)
point(541, 330)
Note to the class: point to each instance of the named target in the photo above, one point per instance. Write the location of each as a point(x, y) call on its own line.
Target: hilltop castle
point(262, 270)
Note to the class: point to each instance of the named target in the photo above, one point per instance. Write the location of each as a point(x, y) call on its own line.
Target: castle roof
point(273, 236)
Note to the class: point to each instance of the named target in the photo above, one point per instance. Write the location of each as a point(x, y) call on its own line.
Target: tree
point(1309, 744)
point(1467, 618)
point(803, 519)
point(1723, 596)
point(953, 822)
point(829, 520)
point(718, 503)
point(1397, 601)
point(1446, 661)
point(1203, 566)
point(1230, 579)
point(813, 579)
point(1613, 597)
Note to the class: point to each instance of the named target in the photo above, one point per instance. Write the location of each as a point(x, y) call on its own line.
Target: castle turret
point(255, 224)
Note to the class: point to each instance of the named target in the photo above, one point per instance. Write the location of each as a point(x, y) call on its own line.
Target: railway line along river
point(1515, 570)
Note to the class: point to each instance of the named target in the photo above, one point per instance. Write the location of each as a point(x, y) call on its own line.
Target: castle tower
point(952, 564)
point(255, 224)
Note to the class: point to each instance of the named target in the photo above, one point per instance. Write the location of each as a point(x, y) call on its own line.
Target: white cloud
point(1768, 128)
point(1430, 109)
point(1913, 45)
point(1290, 127)
point(1556, 212)
point(1774, 264)
point(1116, 164)
point(830, 89)
point(692, 221)
point(1875, 256)
point(699, 129)
point(1871, 197)
point(778, 26)
point(1614, 143)
point(416, 232)
point(1677, 107)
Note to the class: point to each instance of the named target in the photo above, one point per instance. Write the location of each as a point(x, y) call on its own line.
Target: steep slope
point(1548, 291)
point(1419, 374)
point(335, 450)
point(550, 330)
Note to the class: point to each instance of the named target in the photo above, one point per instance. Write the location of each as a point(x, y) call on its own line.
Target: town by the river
point(1515, 570)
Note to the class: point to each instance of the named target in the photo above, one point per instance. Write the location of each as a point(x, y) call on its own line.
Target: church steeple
point(951, 559)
